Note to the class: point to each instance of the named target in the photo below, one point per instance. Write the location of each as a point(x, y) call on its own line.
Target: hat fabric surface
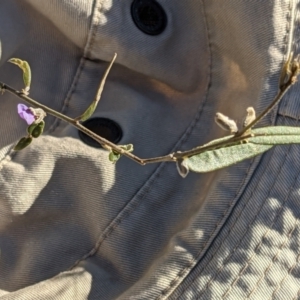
point(75, 226)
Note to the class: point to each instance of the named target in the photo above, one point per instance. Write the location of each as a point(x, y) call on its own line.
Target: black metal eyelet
point(149, 16)
point(106, 128)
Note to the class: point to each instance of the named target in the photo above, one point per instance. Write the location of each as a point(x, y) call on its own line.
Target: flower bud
point(38, 114)
point(225, 123)
point(251, 116)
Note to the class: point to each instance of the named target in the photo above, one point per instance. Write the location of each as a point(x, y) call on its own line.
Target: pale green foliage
point(262, 140)
point(276, 135)
point(114, 156)
point(240, 145)
point(223, 157)
point(127, 148)
point(24, 66)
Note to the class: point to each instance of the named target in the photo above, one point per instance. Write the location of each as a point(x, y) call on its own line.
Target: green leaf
point(223, 157)
point(113, 156)
point(213, 142)
point(23, 143)
point(90, 110)
point(276, 135)
point(264, 139)
point(30, 128)
point(24, 66)
point(38, 129)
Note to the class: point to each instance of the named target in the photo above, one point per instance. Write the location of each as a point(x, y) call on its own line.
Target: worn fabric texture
point(75, 226)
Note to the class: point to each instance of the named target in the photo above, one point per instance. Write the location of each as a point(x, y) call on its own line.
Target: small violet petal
point(26, 114)
point(21, 108)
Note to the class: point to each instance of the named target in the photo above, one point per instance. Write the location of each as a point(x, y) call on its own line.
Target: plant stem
point(71, 121)
point(284, 87)
point(291, 71)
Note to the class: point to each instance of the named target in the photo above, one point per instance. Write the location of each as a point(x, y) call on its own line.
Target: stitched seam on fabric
point(286, 276)
point(89, 43)
point(279, 285)
point(131, 206)
point(258, 246)
point(223, 240)
point(220, 269)
point(236, 219)
point(192, 262)
point(217, 248)
point(276, 255)
point(90, 40)
point(135, 201)
point(289, 18)
point(297, 262)
point(282, 245)
point(142, 193)
point(56, 122)
point(241, 240)
point(231, 204)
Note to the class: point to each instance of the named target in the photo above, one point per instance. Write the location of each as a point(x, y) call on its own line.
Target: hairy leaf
point(24, 66)
point(276, 135)
point(223, 157)
point(264, 139)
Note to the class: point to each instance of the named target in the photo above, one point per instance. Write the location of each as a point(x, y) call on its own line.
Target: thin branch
point(291, 71)
point(73, 122)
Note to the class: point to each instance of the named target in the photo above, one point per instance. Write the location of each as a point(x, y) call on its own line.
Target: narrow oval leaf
point(23, 143)
point(277, 130)
point(90, 110)
point(38, 129)
point(276, 135)
point(24, 66)
point(224, 157)
point(30, 128)
point(276, 139)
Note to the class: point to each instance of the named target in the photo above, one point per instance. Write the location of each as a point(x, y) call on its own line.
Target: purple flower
point(26, 113)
